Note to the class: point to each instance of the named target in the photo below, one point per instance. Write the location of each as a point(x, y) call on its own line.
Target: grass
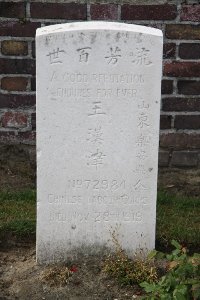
point(17, 213)
point(177, 217)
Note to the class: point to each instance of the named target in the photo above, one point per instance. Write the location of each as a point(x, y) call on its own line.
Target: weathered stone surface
point(98, 107)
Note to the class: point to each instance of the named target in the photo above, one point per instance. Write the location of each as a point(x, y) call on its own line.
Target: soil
point(21, 278)
point(181, 182)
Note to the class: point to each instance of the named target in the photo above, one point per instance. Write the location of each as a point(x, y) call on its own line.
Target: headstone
point(98, 108)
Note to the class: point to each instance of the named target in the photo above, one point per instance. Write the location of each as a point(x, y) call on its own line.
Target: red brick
point(104, 12)
point(13, 28)
point(33, 84)
point(17, 66)
point(163, 158)
point(165, 122)
point(167, 86)
point(14, 83)
point(181, 104)
point(14, 120)
point(33, 49)
point(154, 24)
point(12, 10)
point(183, 31)
point(182, 69)
point(169, 50)
point(7, 137)
point(14, 48)
point(28, 137)
point(16, 101)
point(33, 121)
point(184, 159)
point(187, 122)
point(190, 13)
point(189, 87)
point(189, 51)
point(148, 12)
point(67, 11)
point(180, 141)
point(13, 137)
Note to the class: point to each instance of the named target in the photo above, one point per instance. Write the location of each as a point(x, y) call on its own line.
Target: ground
point(21, 277)
point(181, 182)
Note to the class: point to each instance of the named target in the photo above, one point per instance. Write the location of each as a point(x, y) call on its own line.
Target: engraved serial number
point(98, 184)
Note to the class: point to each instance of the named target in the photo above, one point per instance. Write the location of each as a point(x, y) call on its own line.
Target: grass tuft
point(56, 276)
point(129, 271)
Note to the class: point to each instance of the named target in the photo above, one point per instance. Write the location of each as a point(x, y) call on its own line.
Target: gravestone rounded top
point(98, 25)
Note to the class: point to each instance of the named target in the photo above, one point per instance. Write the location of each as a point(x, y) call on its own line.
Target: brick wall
point(180, 23)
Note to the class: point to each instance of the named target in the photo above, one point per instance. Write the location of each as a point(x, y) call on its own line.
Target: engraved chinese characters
point(98, 106)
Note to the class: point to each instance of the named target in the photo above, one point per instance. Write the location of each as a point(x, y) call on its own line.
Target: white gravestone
point(98, 108)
